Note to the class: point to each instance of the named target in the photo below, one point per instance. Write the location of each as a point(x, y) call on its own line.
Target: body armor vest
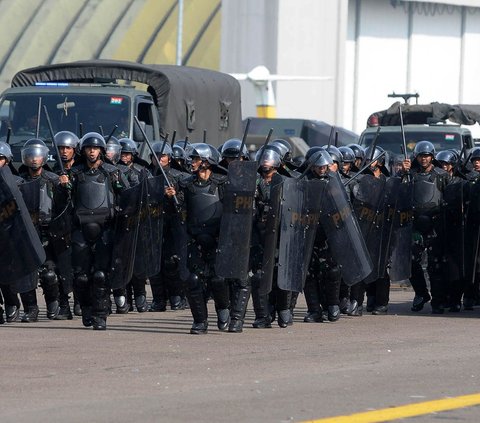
point(426, 194)
point(94, 199)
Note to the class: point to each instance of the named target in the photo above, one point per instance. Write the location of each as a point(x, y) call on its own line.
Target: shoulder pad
point(440, 171)
point(219, 179)
point(109, 168)
point(186, 181)
point(50, 175)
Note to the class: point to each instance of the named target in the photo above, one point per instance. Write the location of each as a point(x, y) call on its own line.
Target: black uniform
point(264, 304)
point(167, 285)
point(322, 285)
point(203, 206)
point(94, 195)
point(429, 235)
point(53, 201)
point(136, 287)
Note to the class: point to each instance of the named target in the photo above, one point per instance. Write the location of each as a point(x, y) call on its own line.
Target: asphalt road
point(148, 368)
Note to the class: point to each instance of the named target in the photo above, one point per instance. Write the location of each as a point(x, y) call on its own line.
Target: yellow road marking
point(404, 411)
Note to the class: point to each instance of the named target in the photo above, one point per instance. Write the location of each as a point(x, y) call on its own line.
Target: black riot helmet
point(285, 149)
point(66, 139)
point(320, 158)
point(335, 153)
point(475, 154)
point(162, 147)
point(231, 149)
point(6, 151)
point(348, 155)
point(128, 146)
point(447, 156)
point(357, 150)
point(182, 143)
point(34, 153)
point(271, 157)
point(369, 156)
point(203, 151)
point(312, 150)
point(425, 148)
point(178, 153)
point(93, 139)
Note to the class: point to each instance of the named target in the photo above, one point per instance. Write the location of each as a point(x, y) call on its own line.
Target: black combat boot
point(64, 313)
point(120, 298)
point(53, 308)
point(223, 318)
point(31, 314)
point(260, 306)
point(198, 306)
point(12, 313)
point(100, 301)
point(370, 303)
point(29, 300)
point(141, 303)
point(87, 316)
point(333, 313)
point(355, 309)
point(159, 294)
point(2, 320)
point(284, 318)
point(312, 298)
point(241, 294)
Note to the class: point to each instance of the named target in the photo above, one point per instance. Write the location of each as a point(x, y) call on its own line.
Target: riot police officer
point(323, 279)
point(359, 152)
point(133, 172)
point(378, 287)
point(203, 195)
point(269, 162)
point(234, 150)
point(67, 143)
point(429, 184)
point(167, 285)
point(52, 201)
point(95, 184)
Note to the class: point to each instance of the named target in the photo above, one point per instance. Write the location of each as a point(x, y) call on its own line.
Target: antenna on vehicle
point(405, 97)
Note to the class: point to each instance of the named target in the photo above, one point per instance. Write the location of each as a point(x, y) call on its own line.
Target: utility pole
point(179, 32)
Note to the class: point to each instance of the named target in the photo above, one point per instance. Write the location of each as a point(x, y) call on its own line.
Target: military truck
point(445, 125)
point(96, 95)
point(443, 137)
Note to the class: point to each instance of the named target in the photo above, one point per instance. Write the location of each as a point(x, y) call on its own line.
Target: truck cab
point(107, 109)
point(443, 137)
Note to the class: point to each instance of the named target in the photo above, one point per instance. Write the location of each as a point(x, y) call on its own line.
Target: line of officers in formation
point(202, 223)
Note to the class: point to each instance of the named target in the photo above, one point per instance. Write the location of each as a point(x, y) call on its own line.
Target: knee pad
point(193, 282)
point(48, 277)
point(99, 278)
point(81, 281)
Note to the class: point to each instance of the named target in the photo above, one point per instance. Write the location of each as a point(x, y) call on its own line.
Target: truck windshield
point(392, 141)
point(96, 112)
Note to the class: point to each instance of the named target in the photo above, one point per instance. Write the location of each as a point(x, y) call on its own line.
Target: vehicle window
point(392, 141)
point(96, 112)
